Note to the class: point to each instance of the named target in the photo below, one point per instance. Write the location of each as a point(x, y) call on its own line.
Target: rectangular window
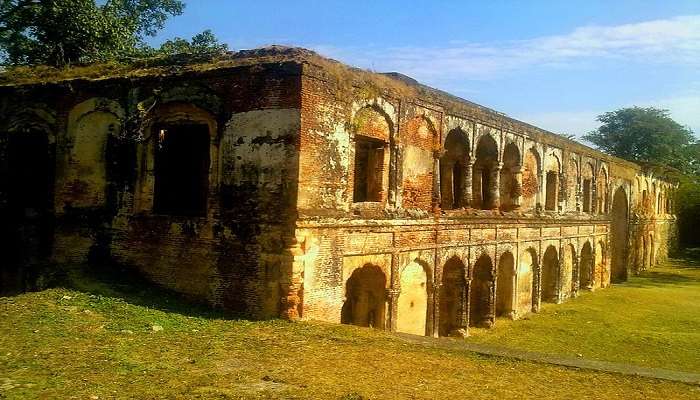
point(181, 169)
point(369, 169)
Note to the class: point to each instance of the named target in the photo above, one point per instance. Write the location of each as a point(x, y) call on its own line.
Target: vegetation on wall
point(68, 32)
point(650, 135)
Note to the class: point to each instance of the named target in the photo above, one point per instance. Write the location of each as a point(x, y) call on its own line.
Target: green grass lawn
point(105, 341)
point(652, 320)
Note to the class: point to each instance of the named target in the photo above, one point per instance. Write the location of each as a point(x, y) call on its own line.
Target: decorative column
point(467, 195)
point(539, 205)
point(575, 275)
point(594, 198)
point(560, 275)
point(464, 315)
point(537, 287)
point(496, 186)
point(579, 195)
point(437, 201)
point(518, 177)
point(392, 296)
point(563, 191)
point(591, 271)
point(491, 314)
point(435, 304)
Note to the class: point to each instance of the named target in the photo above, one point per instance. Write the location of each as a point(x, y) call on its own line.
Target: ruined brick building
point(277, 183)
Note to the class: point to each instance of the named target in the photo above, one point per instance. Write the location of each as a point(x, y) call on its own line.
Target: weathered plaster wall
point(410, 234)
point(237, 254)
point(449, 183)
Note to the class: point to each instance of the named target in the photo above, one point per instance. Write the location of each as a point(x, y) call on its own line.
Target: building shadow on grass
point(129, 285)
point(654, 278)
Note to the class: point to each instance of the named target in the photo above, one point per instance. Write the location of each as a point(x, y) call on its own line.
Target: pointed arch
point(510, 187)
point(365, 301)
point(619, 236)
point(483, 178)
point(453, 169)
point(480, 293)
point(550, 275)
point(453, 297)
point(505, 285)
point(412, 309)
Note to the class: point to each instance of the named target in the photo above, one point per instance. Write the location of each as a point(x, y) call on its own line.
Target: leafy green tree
point(203, 44)
point(646, 134)
point(62, 32)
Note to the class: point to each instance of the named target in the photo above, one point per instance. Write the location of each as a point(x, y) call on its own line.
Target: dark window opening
point(586, 195)
point(29, 172)
point(369, 168)
point(181, 170)
point(551, 191)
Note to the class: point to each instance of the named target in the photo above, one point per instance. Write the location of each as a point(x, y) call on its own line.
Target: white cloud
point(673, 40)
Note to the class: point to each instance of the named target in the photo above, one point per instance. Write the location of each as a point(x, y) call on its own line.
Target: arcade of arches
point(301, 197)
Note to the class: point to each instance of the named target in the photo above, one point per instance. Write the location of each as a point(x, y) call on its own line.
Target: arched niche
point(531, 178)
point(453, 297)
point(619, 236)
point(602, 190)
point(453, 169)
point(505, 285)
point(510, 189)
point(527, 275)
point(586, 267)
point(550, 275)
point(568, 275)
point(178, 161)
point(412, 310)
point(480, 297)
point(91, 125)
point(372, 132)
point(551, 182)
point(587, 187)
point(484, 181)
point(365, 298)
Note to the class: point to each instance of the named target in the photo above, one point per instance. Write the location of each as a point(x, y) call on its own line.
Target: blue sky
point(555, 64)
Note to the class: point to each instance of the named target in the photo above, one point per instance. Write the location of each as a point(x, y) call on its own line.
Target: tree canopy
point(648, 135)
point(64, 32)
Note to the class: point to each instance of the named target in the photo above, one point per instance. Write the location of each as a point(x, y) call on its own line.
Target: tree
point(203, 44)
point(62, 32)
point(646, 134)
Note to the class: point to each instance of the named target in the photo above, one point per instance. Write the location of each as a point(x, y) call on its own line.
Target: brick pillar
point(464, 316)
point(539, 204)
point(576, 275)
point(495, 188)
point(563, 192)
point(430, 319)
point(392, 296)
point(591, 272)
point(491, 315)
point(467, 195)
point(560, 275)
point(537, 286)
point(437, 201)
point(291, 282)
point(436, 309)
